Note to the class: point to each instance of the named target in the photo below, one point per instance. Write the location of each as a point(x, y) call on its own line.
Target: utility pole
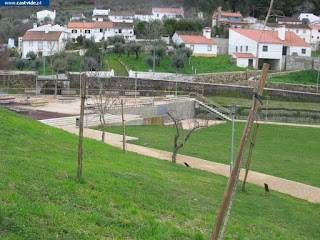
point(250, 156)
point(268, 97)
point(80, 148)
point(237, 165)
point(123, 129)
point(233, 109)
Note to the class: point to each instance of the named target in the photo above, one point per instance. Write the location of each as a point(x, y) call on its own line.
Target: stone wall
point(16, 79)
point(288, 86)
point(302, 63)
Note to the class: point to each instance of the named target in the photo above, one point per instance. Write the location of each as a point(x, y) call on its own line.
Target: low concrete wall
point(288, 86)
point(302, 63)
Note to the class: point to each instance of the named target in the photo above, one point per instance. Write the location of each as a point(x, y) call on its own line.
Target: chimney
point(46, 30)
point(282, 32)
point(35, 25)
point(207, 32)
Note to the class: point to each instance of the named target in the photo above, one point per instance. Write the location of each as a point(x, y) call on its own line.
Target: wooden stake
point(80, 150)
point(123, 129)
point(250, 156)
point(243, 144)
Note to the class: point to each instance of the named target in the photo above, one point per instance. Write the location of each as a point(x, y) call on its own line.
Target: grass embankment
point(112, 62)
point(202, 64)
point(306, 77)
point(125, 196)
point(282, 151)
point(272, 104)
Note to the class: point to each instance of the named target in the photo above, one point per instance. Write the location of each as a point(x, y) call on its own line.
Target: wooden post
point(250, 156)
point(233, 178)
point(123, 129)
point(80, 150)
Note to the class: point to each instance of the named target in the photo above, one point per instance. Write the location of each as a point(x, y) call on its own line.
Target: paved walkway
point(298, 190)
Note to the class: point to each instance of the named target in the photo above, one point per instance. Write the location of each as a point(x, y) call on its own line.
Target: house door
point(250, 63)
point(284, 51)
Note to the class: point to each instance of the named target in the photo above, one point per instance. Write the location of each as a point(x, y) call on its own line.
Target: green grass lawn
point(287, 152)
point(315, 53)
point(125, 196)
point(272, 104)
point(306, 77)
point(202, 64)
point(113, 63)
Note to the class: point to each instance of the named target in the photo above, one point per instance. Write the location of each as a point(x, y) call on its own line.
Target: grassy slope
point(282, 151)
point(307, 77)
point(124, 196)
point(113, 63)
point(202, 64)
point(273, 104)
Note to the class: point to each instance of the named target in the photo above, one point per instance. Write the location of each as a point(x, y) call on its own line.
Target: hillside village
point(142, 121)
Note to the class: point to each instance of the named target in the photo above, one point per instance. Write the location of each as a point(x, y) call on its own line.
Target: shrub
point(20, 64)
point(32, 55)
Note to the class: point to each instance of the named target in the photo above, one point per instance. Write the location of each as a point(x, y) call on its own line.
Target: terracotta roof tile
point(291, 39)
point(314, 26)
point(197, 39)
point(168, 10)
point(41, 36)
point(231, 14)
point(105, 24)
point(288, 19)
point(244, 55)
point(80, 24)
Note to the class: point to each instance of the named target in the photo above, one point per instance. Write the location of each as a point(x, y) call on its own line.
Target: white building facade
point(162, 13)
point(41, 15)
point(143, 16)
point(125, 17)
point(315, 37)
point(201, 45)
point(273, 48)
point(100, 14)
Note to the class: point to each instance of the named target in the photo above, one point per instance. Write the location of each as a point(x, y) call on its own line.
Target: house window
point(74, 31)
point(157, 15)
point(297, 31)
point(40, 45)
point(317, 37)
point(30, 43)
point(236, 49)
point(209, 48)
point(97, 19)
point(319, 31)
point(192, 47)
point(241, 49)
point(101, 30)
point(303, 51)
point(304, 31)
point(247, 48)
point(86, 31)
point(265, 48)
point(120, 30)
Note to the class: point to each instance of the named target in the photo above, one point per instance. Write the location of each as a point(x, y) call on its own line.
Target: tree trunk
point(55, 88)
point(137, 56)
point(174, 155)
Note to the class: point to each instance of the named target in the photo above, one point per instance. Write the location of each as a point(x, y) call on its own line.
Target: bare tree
point(182, 135)
point(103, 103)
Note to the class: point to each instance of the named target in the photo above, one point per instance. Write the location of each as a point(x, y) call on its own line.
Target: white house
point(77, 17)
point(310, 16)
point(99, 30)
point(143, 16)
point(41, 15)
point(273, 47)
point(161, 13)
point(126, 17)
point(45, 40)
point(288, 20)
point(315, 37)
point(201, 44)
point(302, 30)
point(100, 14)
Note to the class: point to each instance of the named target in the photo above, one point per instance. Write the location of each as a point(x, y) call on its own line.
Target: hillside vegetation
point(124, 196)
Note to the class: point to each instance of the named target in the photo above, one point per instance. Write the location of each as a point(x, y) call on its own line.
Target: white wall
point(144, 17)
point(160, 16)
point(315, 39)
point(243, 62)
point(203, 48)
point(41, 15)
point(238, 40)
point(298, 50)
point(126, 19)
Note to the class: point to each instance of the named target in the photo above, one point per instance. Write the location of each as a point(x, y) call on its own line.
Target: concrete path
point(295, 189)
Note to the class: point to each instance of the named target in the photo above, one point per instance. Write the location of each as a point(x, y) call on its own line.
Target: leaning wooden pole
point(123, 129)
point(244, 140)
point(250, 156)
point(80, 150)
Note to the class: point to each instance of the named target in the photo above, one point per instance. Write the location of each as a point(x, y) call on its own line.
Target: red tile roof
point(103, 24)
point(168, 10)
point(314, 26)
point(80, 24)
point(231, 14)
point(41, 36)
point(291, 39)
point(244, 55)
point(190, 39)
